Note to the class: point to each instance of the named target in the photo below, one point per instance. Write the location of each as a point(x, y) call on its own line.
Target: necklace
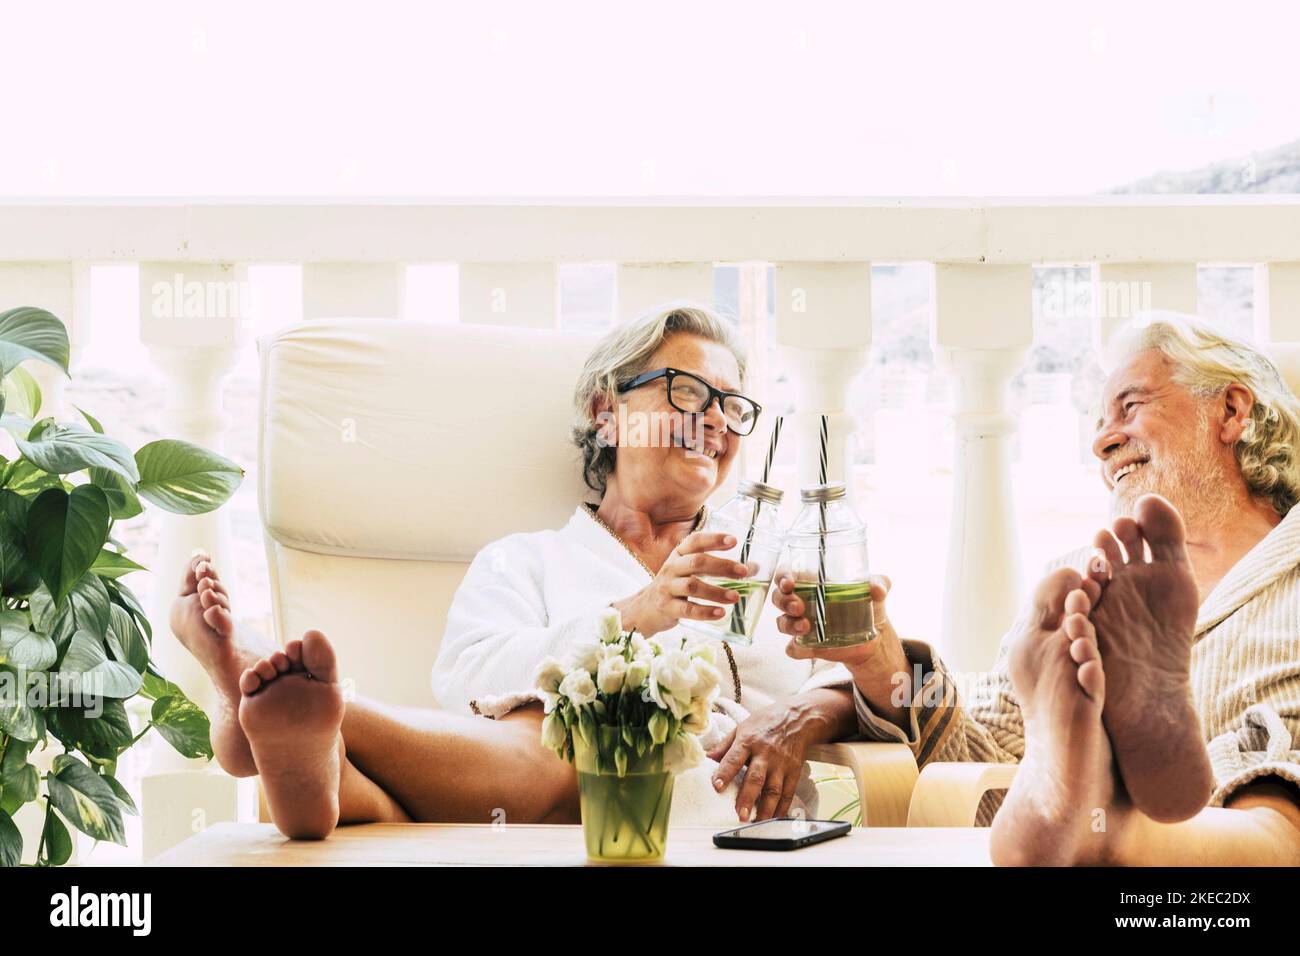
point(703, 516)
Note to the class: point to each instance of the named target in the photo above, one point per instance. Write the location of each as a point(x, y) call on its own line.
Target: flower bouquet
point(627, 712)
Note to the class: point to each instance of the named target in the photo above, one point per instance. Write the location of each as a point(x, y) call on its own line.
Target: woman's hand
point(875, 665)
point(662, 603)
point(772, 741)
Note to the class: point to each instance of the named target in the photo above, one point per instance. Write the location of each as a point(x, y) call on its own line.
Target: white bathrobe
point(534, 595)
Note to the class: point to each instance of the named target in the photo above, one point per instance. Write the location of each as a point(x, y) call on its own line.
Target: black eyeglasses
point(690, 393)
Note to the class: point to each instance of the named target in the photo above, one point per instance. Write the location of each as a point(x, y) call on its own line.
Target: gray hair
point(622, 355)
point(1207, 359)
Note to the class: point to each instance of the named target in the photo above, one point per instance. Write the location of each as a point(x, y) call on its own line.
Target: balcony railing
point(1143, 253)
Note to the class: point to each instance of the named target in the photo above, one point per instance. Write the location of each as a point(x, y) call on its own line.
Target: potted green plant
point(627, 712)
point(75, 644)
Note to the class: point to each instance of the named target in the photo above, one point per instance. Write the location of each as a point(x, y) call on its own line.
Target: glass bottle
point(751, 518)
point(828, 560)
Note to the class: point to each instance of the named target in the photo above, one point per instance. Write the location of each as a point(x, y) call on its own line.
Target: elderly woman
point(530, 596)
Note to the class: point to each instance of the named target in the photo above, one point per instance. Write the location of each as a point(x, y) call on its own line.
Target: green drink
point(849, 618)
point(738, 626)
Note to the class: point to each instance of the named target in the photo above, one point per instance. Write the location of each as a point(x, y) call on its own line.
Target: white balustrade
point(192, 319)
point(1277, 302)
point(823, 326)
point(983, 328)
point(1120, 290)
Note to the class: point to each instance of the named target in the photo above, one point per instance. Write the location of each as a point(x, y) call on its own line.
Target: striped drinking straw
point(767, 469)
point(820, 610)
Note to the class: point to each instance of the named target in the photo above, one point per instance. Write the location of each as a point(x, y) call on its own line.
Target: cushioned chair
point(390, 453)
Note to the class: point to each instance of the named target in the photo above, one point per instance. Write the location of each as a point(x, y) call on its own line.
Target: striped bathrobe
point(1245, 675)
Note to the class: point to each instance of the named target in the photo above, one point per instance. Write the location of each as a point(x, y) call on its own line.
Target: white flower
point(554, 733)
point(641, 649)
point(637, 672)
point(610, 676)
point(707, 679)
point(587, 656)
point(609, 628)
point(578, 687)
point(548, 675)
point(682, 753)
point(677, 673)
point(696, 720)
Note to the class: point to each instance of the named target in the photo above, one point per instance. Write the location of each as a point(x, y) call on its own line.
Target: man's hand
point(773, 741)
point(875, 665)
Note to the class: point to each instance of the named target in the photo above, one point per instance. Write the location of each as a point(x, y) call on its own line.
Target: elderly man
point(1151, 690)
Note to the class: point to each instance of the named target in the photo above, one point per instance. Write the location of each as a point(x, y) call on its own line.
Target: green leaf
point(88, 607)
point(123, 595)
point(45, 613)
point(11, 842)
point(22, 393)
point(125, 642)
point(29, 333)
point(184, 478)
point(183, 725)
point(57, 839)
point(85, 800)
point(17, 576)
point(104, 736)
point(93, 422)
point(123, 502)
point(17, 717)
point(95, 674)
point(23, 648)
point(24, 478)
point(110, 564)
point(156, 687)
point(65, 532)
point(19, 779)
point(123, 797)
point(62, 449)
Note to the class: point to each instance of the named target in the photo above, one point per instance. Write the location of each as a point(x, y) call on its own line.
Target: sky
point(383, 99)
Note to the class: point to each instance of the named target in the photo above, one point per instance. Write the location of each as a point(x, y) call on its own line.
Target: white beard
point(1191, 481)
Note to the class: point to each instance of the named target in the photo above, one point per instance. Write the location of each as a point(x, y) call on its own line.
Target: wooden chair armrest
point(949, 794)
point(884, 774)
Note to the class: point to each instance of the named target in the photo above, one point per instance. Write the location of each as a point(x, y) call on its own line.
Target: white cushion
point(390, 439)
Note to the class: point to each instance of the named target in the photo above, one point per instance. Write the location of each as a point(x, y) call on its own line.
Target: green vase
point(624, 818)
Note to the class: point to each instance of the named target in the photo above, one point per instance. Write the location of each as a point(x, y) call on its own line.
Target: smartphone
point(786, 833)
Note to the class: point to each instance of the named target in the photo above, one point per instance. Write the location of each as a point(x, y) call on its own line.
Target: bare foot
point(292, 711)
point(1144, 621)
point(1055, 813)
point(201, 620)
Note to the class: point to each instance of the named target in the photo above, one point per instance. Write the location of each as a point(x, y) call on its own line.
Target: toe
point(294, 650)
point(1084, 649)
point(219, 619)
point(1126, 530)
point(1077, 601)
point(265, 669)
point(1162, 527)
point(318, 657)
point(1092, 679)
point(1078, 626)
point(249, 682)
point(281, 662)
point(190, 579)
point(1049, 596)
point(1105, 542)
